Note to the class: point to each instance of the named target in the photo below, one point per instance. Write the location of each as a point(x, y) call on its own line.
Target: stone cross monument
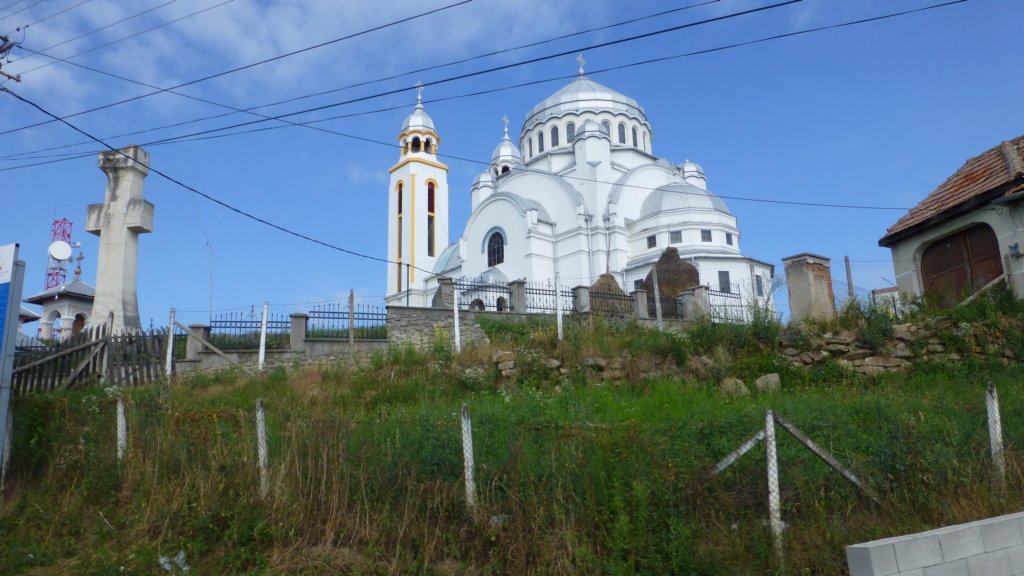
point(118, 222)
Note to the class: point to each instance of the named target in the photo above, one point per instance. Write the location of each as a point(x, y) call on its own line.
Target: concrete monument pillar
point(118, 222)
point(809, 280)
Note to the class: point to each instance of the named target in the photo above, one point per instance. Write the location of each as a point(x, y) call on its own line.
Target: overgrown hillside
point(592, 456)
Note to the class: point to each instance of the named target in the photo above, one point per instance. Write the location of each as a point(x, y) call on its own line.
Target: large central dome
point(583, 94)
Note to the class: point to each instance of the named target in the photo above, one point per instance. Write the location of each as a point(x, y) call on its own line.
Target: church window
point(634, 137)
point(540, 142)
point(652, 241)
point(399, 234)
point(495, 249)
point(399, 198)
point(638, 284)
point(504, 169)
point(398, 276)
point(426, 146)
point(554, 136)
point(430, 219)
point(622, 133)
point(728, 238)
point(570, 132)
point(705, 235)
point(416, 144)
point(607, 127)
point(529, 146)
point(723, 281)
point(759, 285)
point(675, 237)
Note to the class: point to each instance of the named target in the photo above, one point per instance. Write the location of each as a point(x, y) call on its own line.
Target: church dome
point(506, 152)
point(583, 94)
point(681, 197)
point(419, 119)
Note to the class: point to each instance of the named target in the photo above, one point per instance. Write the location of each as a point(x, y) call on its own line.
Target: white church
point(580, 195)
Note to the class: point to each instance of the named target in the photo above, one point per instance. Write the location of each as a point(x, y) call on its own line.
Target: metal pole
point(558, 307)
point(995, 435)
point(169, 361)
point(774, 507)
point(458, 328)
point(467, 455)
point(657, 298)
point(8, 335)
point(122, 430)
point(5, 458)
point(849, 280)
point(263, 338)
point(261, 449)
point(351, 321)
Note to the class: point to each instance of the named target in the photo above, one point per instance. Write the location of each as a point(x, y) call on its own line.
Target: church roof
point(419, 119)
point(506, 150)
point(680, 197)
point(449, 259)
point(26, 315)
point(76, 288)
point(583, 94)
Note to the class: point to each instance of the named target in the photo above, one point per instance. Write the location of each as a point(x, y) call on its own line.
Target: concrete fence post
point(122, 429)
point(169, 359)
point(261, 449)
point(517, 296)
point(774, 505)
point(995, 435)
point(639, 298)
point(297, 333)
point(193, 347)
point(581, 299)
point(351, 323)
point(467, 455)
point(657, 298)
point(458, 327)
point(263, 339)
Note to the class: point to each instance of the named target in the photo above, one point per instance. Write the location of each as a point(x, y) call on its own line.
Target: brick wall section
point(992, 547)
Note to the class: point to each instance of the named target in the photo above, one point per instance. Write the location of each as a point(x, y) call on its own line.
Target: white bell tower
point(417, 210)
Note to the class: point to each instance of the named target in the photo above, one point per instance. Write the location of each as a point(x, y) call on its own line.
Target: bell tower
point(417, 209)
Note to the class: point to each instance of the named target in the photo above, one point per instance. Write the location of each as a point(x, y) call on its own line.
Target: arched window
point(504, 169)
point(495, 249)
point(635, 145)
point(399, 198)
point(426, 146)
point(570, 133)
point(622, 133)
point(540, 142)
point(607, 127)
point(430, 218)
point(554, 136)
point(416, 144)
point(529, 146)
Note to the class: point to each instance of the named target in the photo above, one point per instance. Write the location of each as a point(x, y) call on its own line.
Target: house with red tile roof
point(966, 233)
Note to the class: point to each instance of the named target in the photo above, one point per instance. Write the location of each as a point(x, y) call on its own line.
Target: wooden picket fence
point(94, 354)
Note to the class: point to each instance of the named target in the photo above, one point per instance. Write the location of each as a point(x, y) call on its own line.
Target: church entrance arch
point(960, 264)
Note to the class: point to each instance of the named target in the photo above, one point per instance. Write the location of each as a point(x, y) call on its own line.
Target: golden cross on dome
point(579, 58)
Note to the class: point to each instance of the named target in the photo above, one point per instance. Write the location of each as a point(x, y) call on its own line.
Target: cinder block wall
point(992, 547)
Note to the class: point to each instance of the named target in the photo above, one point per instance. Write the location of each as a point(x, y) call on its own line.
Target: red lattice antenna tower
point(56, 273)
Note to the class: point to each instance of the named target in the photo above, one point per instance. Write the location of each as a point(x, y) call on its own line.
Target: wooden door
point(958, 265)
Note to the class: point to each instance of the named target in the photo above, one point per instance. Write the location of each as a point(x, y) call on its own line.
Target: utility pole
point(5, 48)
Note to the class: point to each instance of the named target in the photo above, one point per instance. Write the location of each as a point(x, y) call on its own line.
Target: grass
point(575, 474)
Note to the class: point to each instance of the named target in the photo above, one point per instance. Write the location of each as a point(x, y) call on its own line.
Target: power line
point(208, 196)
point(54, 15)
point(135, 35)
point(193, 136)
point(334, 90)
point(38, 2)
point(260, 63)
point(111, 25)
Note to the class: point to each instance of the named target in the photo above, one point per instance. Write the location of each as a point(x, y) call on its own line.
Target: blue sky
point(876, 114)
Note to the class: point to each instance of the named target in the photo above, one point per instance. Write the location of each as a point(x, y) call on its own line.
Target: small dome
point(419, 119)
point(681, 197)
point(583, 94)
point(506, 151)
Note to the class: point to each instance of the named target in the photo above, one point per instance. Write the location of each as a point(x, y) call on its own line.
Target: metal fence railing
point(611, 303)
point(333, 320)
point(479, 295)
point(542, 297)
point(728, 307)
point(241, 331)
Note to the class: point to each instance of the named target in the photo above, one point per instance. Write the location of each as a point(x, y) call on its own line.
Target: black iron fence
point(478, 295)
point(543, 298)
point(611, 303)
point(241, 331)
point(728, 307)
point(333, 320)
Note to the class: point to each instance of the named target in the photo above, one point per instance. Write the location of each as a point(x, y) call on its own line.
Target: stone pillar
point(518, 296)
point(639, 303)
point(444, 297)
point(118, 222)
point(581, 299)
point(809, 281)
point(696, 304)
point(297, 338)
point(45, 330)
point(193, 347)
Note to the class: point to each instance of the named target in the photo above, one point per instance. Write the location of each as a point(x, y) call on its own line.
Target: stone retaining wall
point(992, 547)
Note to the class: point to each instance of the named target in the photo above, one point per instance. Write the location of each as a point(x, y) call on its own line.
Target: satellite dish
point(60, 251)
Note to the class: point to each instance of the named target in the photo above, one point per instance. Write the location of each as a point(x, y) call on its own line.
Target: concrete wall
point(418, 327)
point(809, 280)
point(992, 547)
